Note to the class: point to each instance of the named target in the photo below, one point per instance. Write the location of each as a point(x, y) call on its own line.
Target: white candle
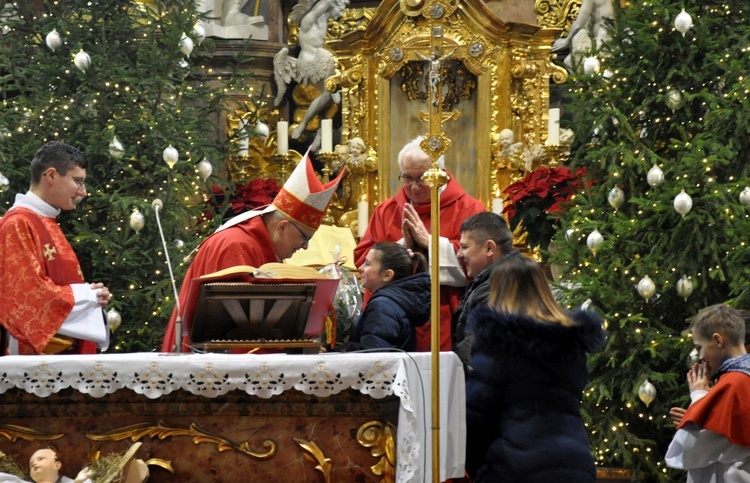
point(244, 138)
point(326, 125)
point(282, 137)
point(363, 217)
point(497, 206)
point(553, 127)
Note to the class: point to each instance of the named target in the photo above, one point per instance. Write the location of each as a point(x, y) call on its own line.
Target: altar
point(224, 417)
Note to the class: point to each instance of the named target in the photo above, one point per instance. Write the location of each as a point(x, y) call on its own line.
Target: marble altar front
point(231, 417)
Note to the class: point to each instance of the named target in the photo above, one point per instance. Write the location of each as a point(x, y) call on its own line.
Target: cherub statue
point(434, 76)
point(589, 30)
point(503, 145)
point(314, 63)
point(44, 467)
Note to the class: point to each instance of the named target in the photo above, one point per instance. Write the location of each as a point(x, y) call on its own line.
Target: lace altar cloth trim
point(406, 375)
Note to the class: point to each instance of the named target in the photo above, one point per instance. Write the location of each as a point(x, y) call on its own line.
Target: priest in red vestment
point(406, 219)
point(260, 236)
point(45, 304)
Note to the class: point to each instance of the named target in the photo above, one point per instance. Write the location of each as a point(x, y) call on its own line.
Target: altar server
point(45, 304)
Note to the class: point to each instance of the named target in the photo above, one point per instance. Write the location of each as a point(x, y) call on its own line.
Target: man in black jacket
point(485, 240)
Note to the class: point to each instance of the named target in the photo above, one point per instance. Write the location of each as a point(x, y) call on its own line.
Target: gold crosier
point(435, 144)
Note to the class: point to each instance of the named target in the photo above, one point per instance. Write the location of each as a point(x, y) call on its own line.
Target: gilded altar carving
point(162, 431)
point(13, 432)
point(315, 454)
point(380, 437)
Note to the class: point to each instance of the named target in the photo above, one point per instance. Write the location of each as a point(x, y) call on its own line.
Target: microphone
point(157, 205)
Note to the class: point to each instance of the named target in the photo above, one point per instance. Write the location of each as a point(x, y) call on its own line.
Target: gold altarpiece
point(496, 76)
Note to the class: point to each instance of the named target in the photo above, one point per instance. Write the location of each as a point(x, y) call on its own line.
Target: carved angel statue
point(589, 30)
point(314, 63)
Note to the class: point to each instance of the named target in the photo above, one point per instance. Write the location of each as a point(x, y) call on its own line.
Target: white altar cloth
point(377, 374)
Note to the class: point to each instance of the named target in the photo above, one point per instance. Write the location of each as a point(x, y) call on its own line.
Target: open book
point(321, 247)
point(273, 301)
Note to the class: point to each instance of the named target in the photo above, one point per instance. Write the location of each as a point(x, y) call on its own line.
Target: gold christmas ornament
point(647, 392)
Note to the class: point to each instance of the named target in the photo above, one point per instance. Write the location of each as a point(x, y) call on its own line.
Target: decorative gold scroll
point(380, 437)
point(137, 431)
point(315, 454)
point(12, 432)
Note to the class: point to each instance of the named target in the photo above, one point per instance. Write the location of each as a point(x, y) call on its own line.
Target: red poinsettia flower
point(540, 193)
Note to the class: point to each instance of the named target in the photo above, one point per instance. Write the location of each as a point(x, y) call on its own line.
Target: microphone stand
point(157, 204)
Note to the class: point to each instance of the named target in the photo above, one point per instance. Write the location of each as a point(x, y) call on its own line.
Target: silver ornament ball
point(745, 197)
point(137, 220)
point(683, 203)
point(114, 319)
point(655, 176)
point(647, 392)
point(646, 288)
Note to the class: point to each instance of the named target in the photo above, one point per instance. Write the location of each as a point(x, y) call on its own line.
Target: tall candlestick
point(244, 138)
point(553, 127)
point(497, 206)
point(363, 217)
point(326, 126)
point(282, 137)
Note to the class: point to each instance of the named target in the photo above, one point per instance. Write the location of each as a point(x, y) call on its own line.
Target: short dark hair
point(722, 319)
point(489, 226)
point(746, 315)
point(55, 154)
point(396, 257)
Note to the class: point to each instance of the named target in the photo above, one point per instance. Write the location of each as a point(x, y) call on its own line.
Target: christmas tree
point(661, 116)
point(124, 82)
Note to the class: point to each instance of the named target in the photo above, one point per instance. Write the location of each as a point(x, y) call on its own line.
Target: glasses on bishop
point(406, 179)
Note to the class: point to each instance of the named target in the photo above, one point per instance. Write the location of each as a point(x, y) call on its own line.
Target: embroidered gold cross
point(49, 252)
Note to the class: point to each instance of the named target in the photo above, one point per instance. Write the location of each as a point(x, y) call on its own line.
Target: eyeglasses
point(305, 238)
point(411, 180)
point(80, 182)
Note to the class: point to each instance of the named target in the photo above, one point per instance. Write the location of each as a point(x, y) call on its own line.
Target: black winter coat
point(522, 398)
point(391, 316)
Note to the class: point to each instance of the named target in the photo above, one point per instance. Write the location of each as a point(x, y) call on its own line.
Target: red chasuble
point(385, 225)
point(247, 243)
point(724, 410)
point(37, 266)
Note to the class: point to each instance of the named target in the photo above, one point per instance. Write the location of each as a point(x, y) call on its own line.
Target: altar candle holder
point(557, 154)
point(282, 161)
point(326, 158)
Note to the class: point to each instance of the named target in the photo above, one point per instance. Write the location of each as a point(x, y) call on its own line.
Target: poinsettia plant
point(244, 197)
point(536, 200)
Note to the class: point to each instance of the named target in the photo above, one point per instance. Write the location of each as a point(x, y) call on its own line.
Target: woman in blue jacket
point(522, 398)
point(400, 300)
